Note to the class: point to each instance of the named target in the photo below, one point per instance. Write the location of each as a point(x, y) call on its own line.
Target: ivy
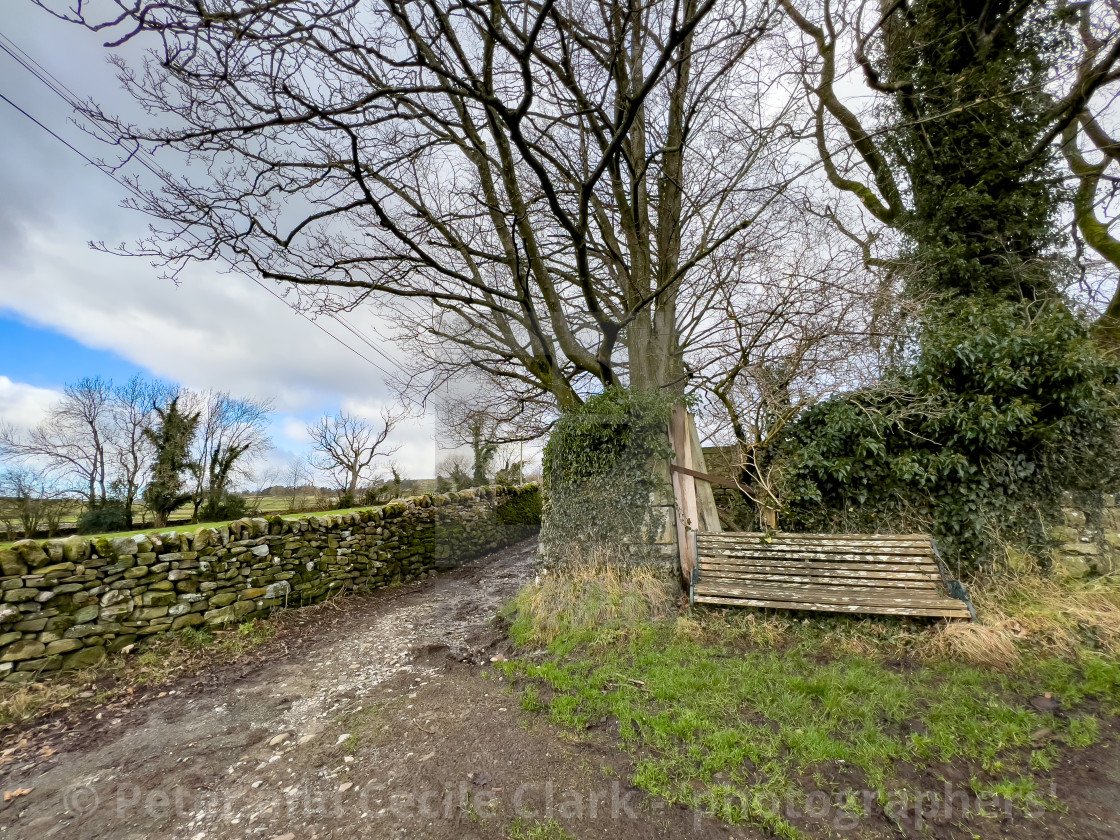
point(1005, 405)
point(599, 472)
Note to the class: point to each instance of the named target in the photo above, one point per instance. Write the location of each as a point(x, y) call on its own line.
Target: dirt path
point(382, 717)
point(377, 718)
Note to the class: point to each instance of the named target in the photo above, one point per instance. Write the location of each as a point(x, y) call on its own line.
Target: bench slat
point(738, 537)
point(888, 583)
point(827, 595)
point(795, 553)
point(915, 573)
point(796, 565)
point(846, 608)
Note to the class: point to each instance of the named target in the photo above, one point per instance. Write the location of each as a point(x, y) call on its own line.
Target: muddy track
point(376, 718)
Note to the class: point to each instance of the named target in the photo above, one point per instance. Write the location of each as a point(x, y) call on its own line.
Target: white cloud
point(214, 330)
point(24, 405)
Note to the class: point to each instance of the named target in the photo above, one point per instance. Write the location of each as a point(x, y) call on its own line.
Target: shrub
point(104, 518)
point(1004, 405)
point(226, 507)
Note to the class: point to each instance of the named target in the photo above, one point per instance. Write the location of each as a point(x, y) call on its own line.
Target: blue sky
point(67, 311)
point(47, 358)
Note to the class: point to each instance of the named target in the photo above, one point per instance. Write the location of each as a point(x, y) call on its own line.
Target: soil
point(383, 717)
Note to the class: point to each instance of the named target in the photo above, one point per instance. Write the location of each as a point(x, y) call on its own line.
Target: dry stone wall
point(67, 603)
point(1087, 540)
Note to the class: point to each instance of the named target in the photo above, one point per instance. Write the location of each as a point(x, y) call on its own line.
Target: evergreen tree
point(171, 439)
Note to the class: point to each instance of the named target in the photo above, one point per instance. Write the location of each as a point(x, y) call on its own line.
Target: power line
point(57, 87)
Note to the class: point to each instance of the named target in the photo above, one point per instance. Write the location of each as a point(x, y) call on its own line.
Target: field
point(180, 520)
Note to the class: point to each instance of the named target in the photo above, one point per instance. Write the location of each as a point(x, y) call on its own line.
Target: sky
point(68, 311)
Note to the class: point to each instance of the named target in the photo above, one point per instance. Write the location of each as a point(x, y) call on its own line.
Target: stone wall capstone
point(67, 603)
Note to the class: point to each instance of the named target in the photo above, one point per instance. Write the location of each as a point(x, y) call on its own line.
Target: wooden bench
point(876, 574)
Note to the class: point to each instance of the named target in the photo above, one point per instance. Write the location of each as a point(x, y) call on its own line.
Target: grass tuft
point(589, 600)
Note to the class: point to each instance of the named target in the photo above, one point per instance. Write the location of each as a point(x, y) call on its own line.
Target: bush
point(1005, 405)
point(599, 477)
point(227, 507)
point(520, 508)
point(104, 518)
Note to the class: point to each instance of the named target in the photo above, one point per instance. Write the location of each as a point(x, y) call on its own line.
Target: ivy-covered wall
point(67, 603)
point(1086, 540)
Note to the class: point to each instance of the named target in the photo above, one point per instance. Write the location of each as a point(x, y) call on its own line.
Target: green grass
point(731, 726)
point(190, 528)
point(523, 829)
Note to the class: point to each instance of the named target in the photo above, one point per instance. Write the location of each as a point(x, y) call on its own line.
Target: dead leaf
point(1041, 735)
point(9, 795)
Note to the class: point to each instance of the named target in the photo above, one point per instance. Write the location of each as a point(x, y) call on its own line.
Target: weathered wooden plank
point(827, 596)
point(823, 570)
point(782, 549)
point(810, 556)
point(684, 489)
point(706, 509)
point(794, 537)
point(845, 608)
point(825, 592)
point(834, 562)
point(710, 575)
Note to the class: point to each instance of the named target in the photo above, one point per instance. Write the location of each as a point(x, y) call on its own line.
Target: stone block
point(84, 658)
point(1073, 518)
point(188, 620)
point(124, 547)
point(1087, 549)
point(75, 549)
point(64, 646)
point(23, 649)
point(148, 613)
point(86, 614)
point(157, 599)
point(121, 642)
point(1070, 566)
point(30, 553)
point(223, 599)
point(11, 563)
point(15, 596)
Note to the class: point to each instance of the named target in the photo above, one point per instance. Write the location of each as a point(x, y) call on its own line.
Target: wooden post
point(684, 489)
point(705, 498)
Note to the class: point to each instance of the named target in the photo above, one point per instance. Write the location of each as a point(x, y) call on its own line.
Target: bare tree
point(1092, 153)
point(132, 409)
point(534, 191)
point(31, 499)
point(231, 432)
point(455, 467)
point(347, 445)
point(72, 442)
point(297, 482)
point(796, 325)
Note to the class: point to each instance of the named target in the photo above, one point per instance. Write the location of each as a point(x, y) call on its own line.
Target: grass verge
point(760, 719)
